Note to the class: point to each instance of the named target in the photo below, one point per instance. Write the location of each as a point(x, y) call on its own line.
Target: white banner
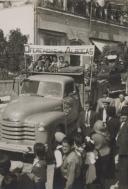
point(86, 50)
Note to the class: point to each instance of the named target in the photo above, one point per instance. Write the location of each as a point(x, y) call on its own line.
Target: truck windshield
point(43, 88)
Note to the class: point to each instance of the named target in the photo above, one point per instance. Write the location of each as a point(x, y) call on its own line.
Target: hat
point(59, 136)
point(106, 101)
point(124, 111)
point(98, 126)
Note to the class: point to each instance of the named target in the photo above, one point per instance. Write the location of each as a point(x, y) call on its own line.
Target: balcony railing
point(108, 13)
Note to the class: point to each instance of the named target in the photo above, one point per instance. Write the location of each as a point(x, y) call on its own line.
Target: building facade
point(60, 27)
point(58, 22)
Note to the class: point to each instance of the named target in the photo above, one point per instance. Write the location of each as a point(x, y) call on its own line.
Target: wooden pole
point(25, 61)
point(91, 60)
point(90, 19)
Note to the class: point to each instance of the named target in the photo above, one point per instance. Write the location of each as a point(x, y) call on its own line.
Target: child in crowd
point(39, 166)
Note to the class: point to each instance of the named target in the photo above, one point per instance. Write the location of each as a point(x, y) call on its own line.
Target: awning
point(101, 44)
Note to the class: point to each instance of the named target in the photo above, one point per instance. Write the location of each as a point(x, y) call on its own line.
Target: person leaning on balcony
point(106, 10)
point(58, 4)
point(101, 4)
point(88, 7)
point(94, 8)
point(71, 6)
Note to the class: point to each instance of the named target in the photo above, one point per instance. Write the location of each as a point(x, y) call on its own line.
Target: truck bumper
point(16, 147)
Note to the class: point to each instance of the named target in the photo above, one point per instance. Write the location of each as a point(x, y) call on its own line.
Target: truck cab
point(46, 103)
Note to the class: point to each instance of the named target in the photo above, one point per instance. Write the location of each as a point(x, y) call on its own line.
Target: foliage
point(15, 50)
point(3, 45)
point(12, 52)
point(120, 49)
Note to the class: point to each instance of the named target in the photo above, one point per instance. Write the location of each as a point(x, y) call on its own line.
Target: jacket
point(122, 140)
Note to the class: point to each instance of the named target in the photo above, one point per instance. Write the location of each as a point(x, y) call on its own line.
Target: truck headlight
point(41, 128)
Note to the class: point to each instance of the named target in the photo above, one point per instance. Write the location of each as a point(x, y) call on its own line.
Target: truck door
point(71, 103)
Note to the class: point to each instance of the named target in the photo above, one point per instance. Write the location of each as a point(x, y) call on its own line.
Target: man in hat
point(120, 102)
point(104, 98)
point(122, 144)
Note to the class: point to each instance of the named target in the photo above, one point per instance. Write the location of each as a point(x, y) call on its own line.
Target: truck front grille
point(14, 132)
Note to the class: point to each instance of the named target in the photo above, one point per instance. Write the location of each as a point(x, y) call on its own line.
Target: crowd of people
point(101, 9)
point(48, 64)
point(87, 159)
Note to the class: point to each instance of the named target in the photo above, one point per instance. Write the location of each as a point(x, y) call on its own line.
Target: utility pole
point(90, 18)
point(35, 21)
point(90, 28)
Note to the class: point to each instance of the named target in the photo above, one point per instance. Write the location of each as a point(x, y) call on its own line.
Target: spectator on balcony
point(106, 9)
point(101, 4)
point(109, 11)
point(94, 8)
point(71, 5)
point(118, 14)
point(45, 3)
point(58, 4)
point(79, 7)
point(88, 7)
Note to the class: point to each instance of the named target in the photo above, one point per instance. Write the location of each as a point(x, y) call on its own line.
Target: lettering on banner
point(87, 50)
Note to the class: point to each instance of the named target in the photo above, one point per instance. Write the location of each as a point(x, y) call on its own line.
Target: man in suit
point(100, 103)
point(103, 112)
point(88, 119)
point(122, 144)
point(113, 123)
point(120, 102)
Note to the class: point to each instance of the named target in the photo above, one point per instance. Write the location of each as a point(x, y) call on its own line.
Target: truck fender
point(48, 119)
point(49, 122)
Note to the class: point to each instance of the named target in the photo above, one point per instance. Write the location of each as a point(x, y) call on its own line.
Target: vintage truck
point(47, 102)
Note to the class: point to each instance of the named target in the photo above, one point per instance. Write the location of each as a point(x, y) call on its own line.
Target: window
point(50, 89)
point(69, 88)
point(52, 37)
point(30, 87)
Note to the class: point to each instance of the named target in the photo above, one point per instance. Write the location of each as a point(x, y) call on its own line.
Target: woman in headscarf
point(101, 139)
